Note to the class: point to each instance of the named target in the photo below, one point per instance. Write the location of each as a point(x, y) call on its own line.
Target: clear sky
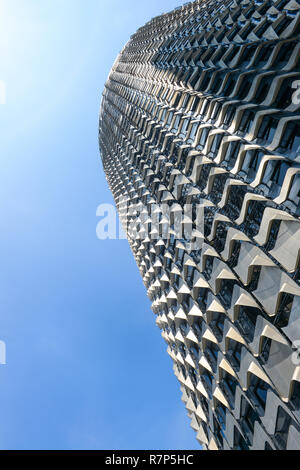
point(86, 365)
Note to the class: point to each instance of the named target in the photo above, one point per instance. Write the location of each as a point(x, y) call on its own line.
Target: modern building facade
point(200, 142)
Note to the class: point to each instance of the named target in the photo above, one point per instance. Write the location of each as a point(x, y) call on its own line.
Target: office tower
point(200, 142)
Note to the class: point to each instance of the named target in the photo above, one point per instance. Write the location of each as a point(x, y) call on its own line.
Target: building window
point(239, 441)
point(226, 292)
point(283, 423)
point(254, 217)
point(247, 321)
point(235, 201)
point(228, 385)
point(264, 55)
point(284, 54)
point(259, 389)
point(295, 398)
point(218, 432)
point(248, 418)
point(217, 324)
point(229, 115)
point(231, 154)
point(209, 266)
point(195, 104)
point(284, 310)
point(218, 187)
point(230, 83)
point(290, 140)
point(184, 328)
point(197, 327)
point(245, 87)
point(193, 375)
point(211, 352)
point(234, 353)
point(216, 144)
point(267, 130)
point(262, 90)
point(220, 238)
point(194, 351)
point(265, 349)
point(221, 415)
point(247, 55)
point(216, 111)
point(203, 137)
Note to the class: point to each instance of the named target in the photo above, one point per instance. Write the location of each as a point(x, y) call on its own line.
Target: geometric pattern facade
point(200, 110)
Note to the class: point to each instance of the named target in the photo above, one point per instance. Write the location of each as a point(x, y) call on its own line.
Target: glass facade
point(199, 138)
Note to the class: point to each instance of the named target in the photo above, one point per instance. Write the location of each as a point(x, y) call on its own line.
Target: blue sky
point(86, 365)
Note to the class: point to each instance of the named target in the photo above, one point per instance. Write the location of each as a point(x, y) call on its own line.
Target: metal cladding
point(201, 110)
